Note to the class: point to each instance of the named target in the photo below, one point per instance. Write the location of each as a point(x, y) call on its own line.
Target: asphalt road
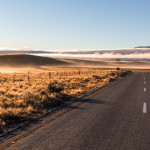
point(114, 118)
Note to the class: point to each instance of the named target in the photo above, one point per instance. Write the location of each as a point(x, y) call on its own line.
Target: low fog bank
point(124, 54)
point(134, 54)
point(103, 57)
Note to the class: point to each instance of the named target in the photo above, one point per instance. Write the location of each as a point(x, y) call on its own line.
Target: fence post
point(28, 77)
point(14, 77)
point(49, 75)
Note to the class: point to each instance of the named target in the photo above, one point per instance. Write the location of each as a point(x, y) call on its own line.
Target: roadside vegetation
point(24, 96)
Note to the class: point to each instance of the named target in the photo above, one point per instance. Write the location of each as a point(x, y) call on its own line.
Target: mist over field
point(107, 58)
point(130, 54)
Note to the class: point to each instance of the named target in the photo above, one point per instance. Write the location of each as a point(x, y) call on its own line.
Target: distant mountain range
point(142, 47)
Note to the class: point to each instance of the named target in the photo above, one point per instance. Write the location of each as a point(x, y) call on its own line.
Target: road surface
point(116, 117)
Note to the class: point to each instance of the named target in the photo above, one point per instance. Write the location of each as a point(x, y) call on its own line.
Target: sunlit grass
point(24, 96)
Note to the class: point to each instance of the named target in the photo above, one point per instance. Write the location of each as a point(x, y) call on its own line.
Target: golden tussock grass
point(25, 96)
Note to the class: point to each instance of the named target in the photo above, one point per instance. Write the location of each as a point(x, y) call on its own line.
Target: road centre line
point(144, 82)
point(144, 107)
point(144, 89)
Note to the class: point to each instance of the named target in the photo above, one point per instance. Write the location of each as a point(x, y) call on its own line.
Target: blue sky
point(74, 24)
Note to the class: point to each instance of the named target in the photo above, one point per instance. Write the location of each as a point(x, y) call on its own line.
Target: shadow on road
point(68, 106)
point(95, 101)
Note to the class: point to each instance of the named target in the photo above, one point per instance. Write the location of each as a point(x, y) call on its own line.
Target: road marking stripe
point(144, 107)
point(144, 82)
point(144, 89)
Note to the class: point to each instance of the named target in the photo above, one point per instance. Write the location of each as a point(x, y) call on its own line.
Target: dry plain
point(31, 84)
point(24, 96)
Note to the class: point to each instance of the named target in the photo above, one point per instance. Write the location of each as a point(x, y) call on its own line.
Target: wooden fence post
point(14, 77)
point(28, 77)
point(49, 75)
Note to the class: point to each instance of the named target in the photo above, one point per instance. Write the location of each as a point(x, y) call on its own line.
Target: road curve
point(110, 119)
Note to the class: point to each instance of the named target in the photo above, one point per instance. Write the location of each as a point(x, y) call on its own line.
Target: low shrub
point(55, 87)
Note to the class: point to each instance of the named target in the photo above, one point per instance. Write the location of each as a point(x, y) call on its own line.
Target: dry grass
point(24, 96)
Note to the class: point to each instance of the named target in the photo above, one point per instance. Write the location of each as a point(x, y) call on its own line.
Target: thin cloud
point(106, 56)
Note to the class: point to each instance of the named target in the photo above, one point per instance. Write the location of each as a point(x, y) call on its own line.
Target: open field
point(24, 96)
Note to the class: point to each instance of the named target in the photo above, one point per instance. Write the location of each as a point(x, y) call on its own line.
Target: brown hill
point(30, 60)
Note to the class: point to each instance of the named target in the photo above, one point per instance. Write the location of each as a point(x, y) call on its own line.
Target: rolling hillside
point(30, 60)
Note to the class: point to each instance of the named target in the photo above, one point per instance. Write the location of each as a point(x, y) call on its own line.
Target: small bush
point(55, 87)
point(97, 77)
point(111, 79)
point(117, 68)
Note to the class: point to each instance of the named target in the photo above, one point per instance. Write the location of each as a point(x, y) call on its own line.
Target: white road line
point(144, 89)
point(144, 107)
point(144, 78)
point(144, 82)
